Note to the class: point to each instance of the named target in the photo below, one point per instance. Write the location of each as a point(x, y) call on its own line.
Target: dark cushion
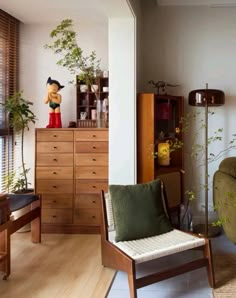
point(228, 166)
point(138, 211)
point(18, 201)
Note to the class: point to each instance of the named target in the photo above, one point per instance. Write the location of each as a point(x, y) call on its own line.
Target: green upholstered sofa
point(224, 196)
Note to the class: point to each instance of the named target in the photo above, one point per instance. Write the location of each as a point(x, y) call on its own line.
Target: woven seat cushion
point(19, 201)
point(138, 210)
point(143, 250)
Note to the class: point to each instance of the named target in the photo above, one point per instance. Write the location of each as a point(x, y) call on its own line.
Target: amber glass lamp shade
point(214, 97)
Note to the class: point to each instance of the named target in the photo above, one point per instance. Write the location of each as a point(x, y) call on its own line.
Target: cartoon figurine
point(54, 100)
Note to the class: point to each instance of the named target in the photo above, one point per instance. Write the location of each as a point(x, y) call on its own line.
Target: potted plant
point(20, 117)
point(65, 44)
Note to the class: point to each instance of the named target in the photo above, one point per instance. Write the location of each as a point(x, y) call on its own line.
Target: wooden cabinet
point(86, 102)
point(71, 169)
point(158, 121)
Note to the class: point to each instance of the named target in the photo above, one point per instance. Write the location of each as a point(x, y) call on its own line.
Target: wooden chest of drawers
point(71, 169)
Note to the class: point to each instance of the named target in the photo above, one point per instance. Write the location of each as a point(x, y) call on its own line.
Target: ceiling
point(52, 11)
point(212, 3)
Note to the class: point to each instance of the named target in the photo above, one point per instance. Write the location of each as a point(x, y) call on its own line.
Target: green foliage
point(20, 117)
point(65, 44)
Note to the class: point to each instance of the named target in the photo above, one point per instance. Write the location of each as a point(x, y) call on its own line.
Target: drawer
point(92, 172)
point(57, 147)
point(91, 159)
point(87, 201)
point(54, 159)
point(54, 186)
point(93, 147)
point(87, 216)
point(49, 135)
point(57, 216)
point(89, 135)
point(54, 173)
point(88, 186)
point(57, 201)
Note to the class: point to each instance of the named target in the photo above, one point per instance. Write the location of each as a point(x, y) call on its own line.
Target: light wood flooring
point(62, 266)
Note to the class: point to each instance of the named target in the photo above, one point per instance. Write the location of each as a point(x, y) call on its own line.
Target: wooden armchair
point(9, 225)
point(125, 255)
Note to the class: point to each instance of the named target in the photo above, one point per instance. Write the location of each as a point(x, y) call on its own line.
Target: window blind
point(9, 67)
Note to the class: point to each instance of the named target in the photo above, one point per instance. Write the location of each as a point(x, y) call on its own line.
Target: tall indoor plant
point(66, 45)
point(20, 117)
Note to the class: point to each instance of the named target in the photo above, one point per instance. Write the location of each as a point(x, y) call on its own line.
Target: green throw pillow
point(138, 211)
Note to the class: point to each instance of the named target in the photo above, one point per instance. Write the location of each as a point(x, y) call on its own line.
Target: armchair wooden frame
point(11, 225)
point(115, 258)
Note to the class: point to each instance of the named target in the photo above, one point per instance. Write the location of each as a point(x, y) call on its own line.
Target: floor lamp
point(206, 98)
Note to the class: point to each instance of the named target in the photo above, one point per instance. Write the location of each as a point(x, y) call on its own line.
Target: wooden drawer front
point(54, 186)
point(57, 216)
point(89, 135)
point(54, 136)
point(91, 159)
point(88, 186)
point(54, 159)
point(54, 173)
point(57, 147)
point(87, 201)
point(57, 201)
point(87, 216)
point(93, 147)
point(92, 172)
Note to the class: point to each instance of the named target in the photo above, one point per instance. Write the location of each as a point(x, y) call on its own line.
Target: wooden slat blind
point(9, 68)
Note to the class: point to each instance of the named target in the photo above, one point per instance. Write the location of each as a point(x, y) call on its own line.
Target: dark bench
point(9, 225)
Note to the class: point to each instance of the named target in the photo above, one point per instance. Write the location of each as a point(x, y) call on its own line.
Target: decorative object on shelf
point(53, 98)
point(105, 73)
point(72, 124)
point(20, 117)
point(83, 88)
point(161, 85)
point(94, 114)
point(94, 88)
point(83, 115)
point(205, 98)
point(164, 154)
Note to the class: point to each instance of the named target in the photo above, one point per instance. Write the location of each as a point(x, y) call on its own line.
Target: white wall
point(122, 99)
point(192, 46)
point(37, 64)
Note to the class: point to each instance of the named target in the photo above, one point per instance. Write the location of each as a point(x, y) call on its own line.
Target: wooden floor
point(62, 266)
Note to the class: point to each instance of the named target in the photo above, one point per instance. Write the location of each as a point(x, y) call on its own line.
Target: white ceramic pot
point(94, 88)
point(83, 88)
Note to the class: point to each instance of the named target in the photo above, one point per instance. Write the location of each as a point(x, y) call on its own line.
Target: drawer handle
point(94, 147)
point(94, 159)
point(54, 201)
point(55, 147)
point(54, 216)
point(54, 173)
point(94, 136)
point(55, 136)
point(54, 159)
point(94, 202)
point(93, 216)
point(54, 186)
point(94, 186)
point(94, 173)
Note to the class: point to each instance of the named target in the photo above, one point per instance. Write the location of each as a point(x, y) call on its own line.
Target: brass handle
point(94, 186)
point(54, 159)
point(94, 147)
point(94, 136)
point(54, 173)
point(55, 136)
point(55, 147)
point(94, 159)
point(94, 173)
point(54, 186)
